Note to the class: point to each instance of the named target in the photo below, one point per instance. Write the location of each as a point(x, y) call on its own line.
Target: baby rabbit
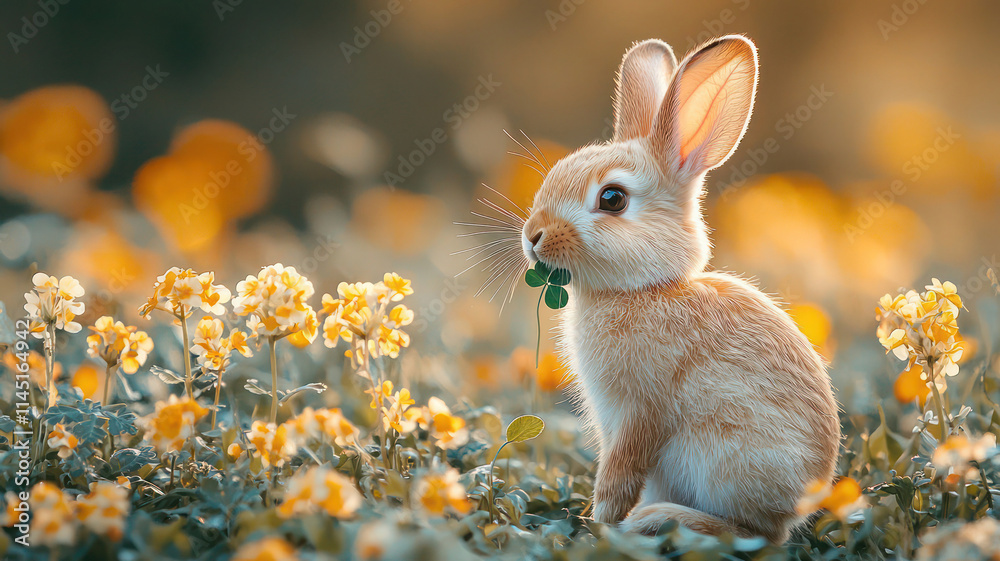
point(710, 407)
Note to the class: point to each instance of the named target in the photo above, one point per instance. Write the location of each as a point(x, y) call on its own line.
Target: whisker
point(500, 209)
point(487, 258)
point(489, 243)
point(538, 171)
point(506, 198)
point(523, 147)
point(495, 219)
point(540, 153)
point(484, 232)
point(513, 284)
point(505, 226)
point(496, 273)
point(509, 243)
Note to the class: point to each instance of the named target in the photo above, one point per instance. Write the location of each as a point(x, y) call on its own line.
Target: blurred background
point(345, 138)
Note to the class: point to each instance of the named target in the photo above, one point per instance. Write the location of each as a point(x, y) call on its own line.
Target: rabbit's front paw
point(610, 508)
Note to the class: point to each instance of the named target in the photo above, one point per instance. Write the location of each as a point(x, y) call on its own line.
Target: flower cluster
point(398, 413)
point(53, 302)
point(62, 440)
point(103, 510)
point(320, 489)
point(271, 442)
point(275, 301)
point(842, 499)
point(958, 452)
point(439, 493)
point(169, 427)
point(267, 549)
point(118, 344)
point(180, 291)
point(53, 521)
point(922, 328)
point(321, 426)
point(212, 349)
point(276, 443)
point(364, 316)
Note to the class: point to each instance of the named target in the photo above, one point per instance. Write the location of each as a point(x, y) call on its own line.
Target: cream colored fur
point(709, 406)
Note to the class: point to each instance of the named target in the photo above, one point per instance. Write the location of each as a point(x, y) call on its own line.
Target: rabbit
point(709, 406)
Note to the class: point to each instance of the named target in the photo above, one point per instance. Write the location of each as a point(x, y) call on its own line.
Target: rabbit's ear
point(707, 107)
point(640, 86)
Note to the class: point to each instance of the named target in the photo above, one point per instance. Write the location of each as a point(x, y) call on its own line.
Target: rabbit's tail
point(648, 519)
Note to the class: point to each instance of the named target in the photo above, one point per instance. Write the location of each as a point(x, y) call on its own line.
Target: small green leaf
point(556, 297)
point(542, 270)
point(559, 277)
point(524, 428)
point(533, 278)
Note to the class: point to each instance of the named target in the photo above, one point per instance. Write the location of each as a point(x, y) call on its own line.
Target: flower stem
point(945, 418)
point(218, 390)
point(274, 380)
point(109, 383)
point(50, 353)
point(188, 386)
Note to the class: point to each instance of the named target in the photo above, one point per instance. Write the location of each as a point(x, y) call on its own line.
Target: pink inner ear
point(714, 97)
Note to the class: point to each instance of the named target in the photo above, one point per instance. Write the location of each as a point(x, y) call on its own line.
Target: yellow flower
point(398, 286)
point(271, 442)
point(842, 499)
point(448, 430)
point(275, 303)
point(957, 453)
point(912, 384)
point(52, 519)
point(946, 290)
point(267, 549)
point(104, 509)
point(64, 441)
point(181, 291)
point(234, 450)
point(53, 302)
point(212, 349)
point(320, 489)
point(896, 342)
point(322, 425)
point(173, 423)
point(438, 493)
point(363, 318)
point(15, 510)
point(394, 416)
point(118, 344)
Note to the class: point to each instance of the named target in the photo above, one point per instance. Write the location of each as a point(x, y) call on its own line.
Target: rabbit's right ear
point(640, 86)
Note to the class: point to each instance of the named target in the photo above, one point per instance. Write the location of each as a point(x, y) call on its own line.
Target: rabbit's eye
point(613, 199)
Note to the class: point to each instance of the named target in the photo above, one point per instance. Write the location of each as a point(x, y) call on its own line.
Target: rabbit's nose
point(534, 239)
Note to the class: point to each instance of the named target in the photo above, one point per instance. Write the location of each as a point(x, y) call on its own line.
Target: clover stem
point(188, 386)
point(109, 382)
point(274, 379)
point(492, 466)
point(538, 325)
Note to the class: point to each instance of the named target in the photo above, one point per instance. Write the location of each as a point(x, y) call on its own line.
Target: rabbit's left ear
point(640, 86)
point(707, 106)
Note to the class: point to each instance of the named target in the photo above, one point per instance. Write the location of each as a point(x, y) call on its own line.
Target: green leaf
point(542, 270)
point(556, 297)
point(533, 278)
point(559, 277)
point(524, 428)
